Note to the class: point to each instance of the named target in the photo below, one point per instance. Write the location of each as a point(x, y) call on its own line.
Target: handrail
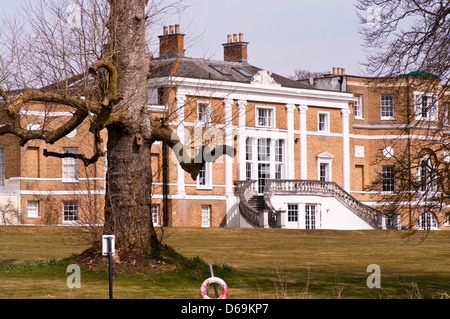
point(245, 190)
point(273, 213)
point(367, 213)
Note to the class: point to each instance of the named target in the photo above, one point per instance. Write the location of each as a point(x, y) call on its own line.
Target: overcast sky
point(283, 35)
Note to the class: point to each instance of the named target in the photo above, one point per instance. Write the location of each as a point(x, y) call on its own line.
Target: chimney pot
point(343, 71)
point(334, 70)
point(235, 51)
point(171, 43)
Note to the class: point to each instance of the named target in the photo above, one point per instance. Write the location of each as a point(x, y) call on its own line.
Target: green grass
point(255, 263)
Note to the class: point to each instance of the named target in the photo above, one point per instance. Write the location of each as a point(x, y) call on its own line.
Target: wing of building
point(305, 150)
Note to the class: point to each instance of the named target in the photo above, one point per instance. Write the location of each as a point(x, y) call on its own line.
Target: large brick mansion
point(305, 150)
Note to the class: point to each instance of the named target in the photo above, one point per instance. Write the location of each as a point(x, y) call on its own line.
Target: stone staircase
point(258, 202)
point(252, 205)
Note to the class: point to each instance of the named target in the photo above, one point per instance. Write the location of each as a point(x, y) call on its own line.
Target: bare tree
point(97, 60)
point(406, 36)
point(408, 45)
point(9, 214)
point(301, 74)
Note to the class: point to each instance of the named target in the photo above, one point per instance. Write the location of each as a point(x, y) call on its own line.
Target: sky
point(283, 35)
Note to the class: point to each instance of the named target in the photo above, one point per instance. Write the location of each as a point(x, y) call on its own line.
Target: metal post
point(212, 275)
point(110, 268)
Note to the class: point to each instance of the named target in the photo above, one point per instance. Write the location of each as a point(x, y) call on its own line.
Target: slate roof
point(215, 70)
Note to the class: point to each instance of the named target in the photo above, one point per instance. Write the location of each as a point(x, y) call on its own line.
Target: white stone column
point(228, 103)
point(180, 100)
point(303, 143)
point(264, 219)
point(289, 157)
point(345, 150)
point(241, 138)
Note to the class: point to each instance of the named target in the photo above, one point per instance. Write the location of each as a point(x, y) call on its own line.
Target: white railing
point(367, 213)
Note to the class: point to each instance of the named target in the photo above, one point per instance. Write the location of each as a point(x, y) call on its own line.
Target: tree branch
point(161, 132)
point(48, 136)
point(86, 160)
point(110, 98)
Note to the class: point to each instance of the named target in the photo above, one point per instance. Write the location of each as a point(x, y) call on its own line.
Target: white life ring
point(213, 280)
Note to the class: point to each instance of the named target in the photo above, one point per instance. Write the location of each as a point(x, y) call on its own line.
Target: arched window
point(427, 221)
point(426, 175)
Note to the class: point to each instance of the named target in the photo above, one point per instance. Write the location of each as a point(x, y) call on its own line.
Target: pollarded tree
point(95, 53)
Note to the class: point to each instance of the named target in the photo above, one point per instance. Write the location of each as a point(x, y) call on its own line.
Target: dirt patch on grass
point(126, 261)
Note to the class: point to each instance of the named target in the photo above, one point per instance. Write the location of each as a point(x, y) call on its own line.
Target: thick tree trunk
point(128, 191)
point(128, 181)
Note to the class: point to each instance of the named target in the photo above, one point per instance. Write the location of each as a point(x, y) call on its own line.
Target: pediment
point(325, 155)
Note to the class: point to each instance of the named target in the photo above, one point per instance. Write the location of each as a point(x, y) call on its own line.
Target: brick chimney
point(235, 50)
point(337, 71)
point(171, 43)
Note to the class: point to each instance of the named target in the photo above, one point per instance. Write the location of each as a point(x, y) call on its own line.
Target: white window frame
point(2, 168)
point(264, 154)
point(271, 118)
point(206, 216)
point(391, 178)
point(445, 114)
point(430, 222)
point(326, 171)
point(383, 105)
point(73, 218)
point(430, 183)
point(279, 154)
point(155, 214)
point(249, 158)
point(311, 216)
point(33, 209)
point(432, 106)
point(326, 159)
point(292, 213)
point(203, 111)
point(358, 107)
point(326, 128)
point(70, 166)
point(206, 181)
